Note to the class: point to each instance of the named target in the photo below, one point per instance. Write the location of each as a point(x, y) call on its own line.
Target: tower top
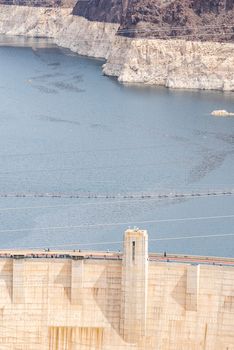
point(135, 246)
point(135, 232)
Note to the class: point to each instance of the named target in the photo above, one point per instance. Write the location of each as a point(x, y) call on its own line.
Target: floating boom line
point(152, 195)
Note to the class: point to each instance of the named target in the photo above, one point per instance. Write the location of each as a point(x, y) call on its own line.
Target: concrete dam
point(63, 300)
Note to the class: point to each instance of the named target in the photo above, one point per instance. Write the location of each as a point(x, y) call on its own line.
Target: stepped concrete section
point(61, 300)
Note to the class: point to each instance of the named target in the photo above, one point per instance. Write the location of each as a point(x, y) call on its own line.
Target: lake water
point(66, 128)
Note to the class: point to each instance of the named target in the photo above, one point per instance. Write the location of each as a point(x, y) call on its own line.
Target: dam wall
point(173, 63)
point(130, 300)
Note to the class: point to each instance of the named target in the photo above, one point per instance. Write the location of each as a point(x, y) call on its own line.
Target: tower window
point(133, 250)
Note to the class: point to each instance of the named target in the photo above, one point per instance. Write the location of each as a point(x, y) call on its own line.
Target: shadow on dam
point(68, 338)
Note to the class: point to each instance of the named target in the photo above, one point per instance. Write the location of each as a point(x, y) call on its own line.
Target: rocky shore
point(176, 63)
point(173, 63)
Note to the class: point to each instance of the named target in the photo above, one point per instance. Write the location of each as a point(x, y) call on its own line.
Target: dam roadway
point(73, 299)
point(102, 255)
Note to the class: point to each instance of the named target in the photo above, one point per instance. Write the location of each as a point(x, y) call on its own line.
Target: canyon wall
point(70, 302)
point(173, 63)
point(206, 20)
point(40, 3)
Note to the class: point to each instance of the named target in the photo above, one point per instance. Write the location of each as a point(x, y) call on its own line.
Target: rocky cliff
point(133, 56)
point(40, 3)
point(173, 63)
point(207, 20)
point(101, 11)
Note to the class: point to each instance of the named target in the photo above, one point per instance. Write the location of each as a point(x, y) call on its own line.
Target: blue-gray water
point(64, 127)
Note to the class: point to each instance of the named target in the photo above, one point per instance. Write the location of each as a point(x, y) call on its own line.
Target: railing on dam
point(99, 255)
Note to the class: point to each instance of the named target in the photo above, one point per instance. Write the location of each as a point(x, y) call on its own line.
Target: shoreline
point(176, 63)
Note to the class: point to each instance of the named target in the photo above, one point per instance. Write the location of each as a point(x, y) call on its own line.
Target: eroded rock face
point(172, 63)
point(215, 6)
point(40, 3)
point(207, 20)
point(100, 10)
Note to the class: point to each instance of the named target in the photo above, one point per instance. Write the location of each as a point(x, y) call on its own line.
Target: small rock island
point(222, 113)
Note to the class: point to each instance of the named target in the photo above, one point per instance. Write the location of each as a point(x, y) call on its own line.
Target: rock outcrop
point(198, 20)
point(110, 11)
point(40, 3)
point(206, 20)
point(222, 113)
point(173, 63)
point(76, 33)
